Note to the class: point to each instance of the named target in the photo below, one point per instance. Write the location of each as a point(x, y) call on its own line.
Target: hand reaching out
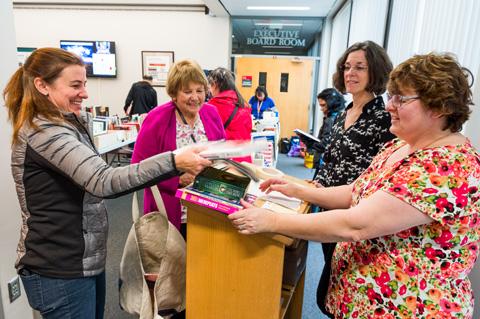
point(286, 188)
point(187, 160)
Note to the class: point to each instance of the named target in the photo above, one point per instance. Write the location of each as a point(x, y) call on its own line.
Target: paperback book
point(208, 200)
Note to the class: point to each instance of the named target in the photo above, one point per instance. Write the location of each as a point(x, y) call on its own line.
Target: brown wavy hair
point(379, 66)
point(440, 82)
point(22, 99)
point(182, 73)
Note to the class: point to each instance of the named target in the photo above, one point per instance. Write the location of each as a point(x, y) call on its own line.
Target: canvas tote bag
point(155, 248)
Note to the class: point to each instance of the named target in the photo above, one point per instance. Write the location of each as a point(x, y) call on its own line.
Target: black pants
point(180, 315)
point(328, 249)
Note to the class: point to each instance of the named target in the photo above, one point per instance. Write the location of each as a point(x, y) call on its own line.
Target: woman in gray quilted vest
point(61, 182)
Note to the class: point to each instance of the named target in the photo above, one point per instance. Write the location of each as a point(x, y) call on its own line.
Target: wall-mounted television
point(98, 56)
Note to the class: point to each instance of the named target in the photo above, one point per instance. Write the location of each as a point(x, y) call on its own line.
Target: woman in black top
point(359, 132)
point(332, 104)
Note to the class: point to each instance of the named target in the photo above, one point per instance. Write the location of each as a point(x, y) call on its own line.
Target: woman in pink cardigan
point(184, 120)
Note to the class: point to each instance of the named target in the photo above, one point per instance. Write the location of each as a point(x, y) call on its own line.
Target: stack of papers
point(282, 200)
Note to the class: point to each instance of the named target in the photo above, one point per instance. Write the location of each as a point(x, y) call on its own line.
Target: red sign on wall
point(246, 80)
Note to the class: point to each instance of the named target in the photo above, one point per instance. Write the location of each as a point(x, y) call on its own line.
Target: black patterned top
point(351, 151)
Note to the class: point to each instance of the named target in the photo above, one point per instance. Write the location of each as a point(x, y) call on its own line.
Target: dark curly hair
point(440, 82)
point(379, 66)
point(333, 98)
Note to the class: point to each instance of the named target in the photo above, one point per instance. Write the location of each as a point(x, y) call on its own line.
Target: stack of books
point(208, 200)
point(221, 191)
point(217, 189)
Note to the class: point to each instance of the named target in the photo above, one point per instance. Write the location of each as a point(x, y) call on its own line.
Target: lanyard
point(259, 107)
point(185, 122)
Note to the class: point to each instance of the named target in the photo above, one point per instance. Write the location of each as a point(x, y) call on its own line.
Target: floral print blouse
point(351, 151)
point(421, 272)
point(184, 138)
point(185, 132)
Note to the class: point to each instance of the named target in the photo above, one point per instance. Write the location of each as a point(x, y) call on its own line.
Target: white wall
point(10, 225)
point(192, 35)
point(371, 28)
point(339, 39)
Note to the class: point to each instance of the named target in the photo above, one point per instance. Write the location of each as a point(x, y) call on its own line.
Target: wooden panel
point(293, 106)
point(294, 310)
point(230, 275)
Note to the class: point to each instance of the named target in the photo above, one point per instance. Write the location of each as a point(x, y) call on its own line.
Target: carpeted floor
point(120, 222)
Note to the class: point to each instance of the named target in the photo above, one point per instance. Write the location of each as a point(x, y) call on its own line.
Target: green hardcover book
point(221, 183)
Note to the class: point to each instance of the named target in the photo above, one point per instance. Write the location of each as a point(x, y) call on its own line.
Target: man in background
point(141, 98)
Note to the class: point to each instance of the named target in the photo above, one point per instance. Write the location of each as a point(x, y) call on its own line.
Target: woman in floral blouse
point(408, 229)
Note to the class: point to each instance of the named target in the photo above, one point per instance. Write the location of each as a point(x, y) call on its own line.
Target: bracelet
point(177, 172)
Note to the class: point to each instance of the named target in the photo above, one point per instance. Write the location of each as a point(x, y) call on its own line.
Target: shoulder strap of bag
point(158, 200)
point(135, 208)
point(235, 110)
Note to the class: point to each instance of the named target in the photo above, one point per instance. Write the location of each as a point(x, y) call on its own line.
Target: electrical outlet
point(14, 289)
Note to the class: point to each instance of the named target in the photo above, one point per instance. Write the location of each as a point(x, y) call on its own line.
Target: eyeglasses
point(356, 68)
point(399, 100)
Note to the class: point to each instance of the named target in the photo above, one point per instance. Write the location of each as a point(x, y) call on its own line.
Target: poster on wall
point(157, 64)
point(23, 54)
point(246, 81)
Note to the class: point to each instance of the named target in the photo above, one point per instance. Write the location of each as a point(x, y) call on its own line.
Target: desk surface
point(113, 140)
point(115, 146)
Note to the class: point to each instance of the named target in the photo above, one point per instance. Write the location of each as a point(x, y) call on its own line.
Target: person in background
point(141, 98)
point(183, 121)
point(61, 182)
point(231, 106)
point(359, 131)
point(331, 103)
point(408, 228)
point(260, 103)
point(208, 96)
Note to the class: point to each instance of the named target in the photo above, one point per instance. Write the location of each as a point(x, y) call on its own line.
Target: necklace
point(185, 122)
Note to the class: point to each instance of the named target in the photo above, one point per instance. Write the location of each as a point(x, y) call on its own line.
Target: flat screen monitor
point(98, 56)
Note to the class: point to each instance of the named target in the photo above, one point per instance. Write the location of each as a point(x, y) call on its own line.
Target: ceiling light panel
point(278, 8)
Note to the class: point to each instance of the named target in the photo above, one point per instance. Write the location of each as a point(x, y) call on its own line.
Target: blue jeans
point(79, 298)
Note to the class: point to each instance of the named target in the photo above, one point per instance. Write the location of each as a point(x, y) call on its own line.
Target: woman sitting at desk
point(260, 103)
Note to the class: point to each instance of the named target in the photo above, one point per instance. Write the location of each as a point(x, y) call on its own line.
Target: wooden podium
point(231, 276)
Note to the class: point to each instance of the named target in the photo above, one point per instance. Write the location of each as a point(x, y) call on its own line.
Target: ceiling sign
point(276, 37)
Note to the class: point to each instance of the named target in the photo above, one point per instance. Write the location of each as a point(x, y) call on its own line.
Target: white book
point(231, 149)
point(307, 135)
